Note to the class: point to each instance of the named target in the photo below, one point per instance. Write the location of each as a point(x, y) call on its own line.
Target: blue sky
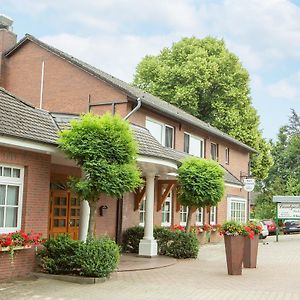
point(114, 35)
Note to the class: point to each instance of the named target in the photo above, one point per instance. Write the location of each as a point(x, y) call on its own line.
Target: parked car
point(291, 226)
point(271, 226)
point(265, 231)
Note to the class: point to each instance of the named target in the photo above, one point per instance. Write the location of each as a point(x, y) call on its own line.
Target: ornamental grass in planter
point(251, 244)
point(234, 237)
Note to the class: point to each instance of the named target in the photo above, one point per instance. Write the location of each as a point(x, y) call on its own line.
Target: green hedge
point(94, 258)
point(176, 243)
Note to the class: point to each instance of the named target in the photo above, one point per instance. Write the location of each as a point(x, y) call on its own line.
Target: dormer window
point(163, 133)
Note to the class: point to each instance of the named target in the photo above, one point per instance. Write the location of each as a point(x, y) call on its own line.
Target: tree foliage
point(284, 175)
point(205, 79)
point(201, 183)
point(105, 149)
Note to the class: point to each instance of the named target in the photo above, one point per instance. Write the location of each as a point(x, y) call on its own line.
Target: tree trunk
point(92, 221)
point(189, 218)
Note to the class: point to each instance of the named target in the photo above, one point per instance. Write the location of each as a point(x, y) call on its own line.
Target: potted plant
point(234, 234)
point(251, 244)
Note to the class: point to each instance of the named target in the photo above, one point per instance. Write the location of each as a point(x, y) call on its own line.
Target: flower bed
point(17, 256)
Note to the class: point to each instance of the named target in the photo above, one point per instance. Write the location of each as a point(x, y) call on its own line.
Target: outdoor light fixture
point(102, 209)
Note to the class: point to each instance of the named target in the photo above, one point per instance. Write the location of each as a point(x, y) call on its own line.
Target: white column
point(84, 220)
point(148, 246)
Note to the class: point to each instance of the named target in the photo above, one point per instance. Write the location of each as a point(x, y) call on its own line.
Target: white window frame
point(217, 151)
point(142, 211)
point(15, 182)
point(236, 200)
point(181, 213)
point(163, 131)
point(169, 200)
point(199, 222)
point(227, 156)
point(201, 140)
point(213, 215)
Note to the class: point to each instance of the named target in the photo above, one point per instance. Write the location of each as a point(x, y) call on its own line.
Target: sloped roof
point(19, 119)
point(147, 99)
point(228, 176)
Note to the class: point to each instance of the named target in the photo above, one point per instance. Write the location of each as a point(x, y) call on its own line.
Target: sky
point(114, 35)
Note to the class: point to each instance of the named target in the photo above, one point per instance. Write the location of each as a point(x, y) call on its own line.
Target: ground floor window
point(142, 212)
point(213, 215)
point(237, 209)
point(199, 216)
point(11, 192)
point(167, 211)
point(183, 215)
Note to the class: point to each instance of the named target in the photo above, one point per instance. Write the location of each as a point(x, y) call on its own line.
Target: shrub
point(93, 258)
point(97, 257)
point(59, 255)
point(131, 239)
point(175, 243)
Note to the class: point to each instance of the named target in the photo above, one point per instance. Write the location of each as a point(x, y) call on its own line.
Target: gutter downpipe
point(139, 104)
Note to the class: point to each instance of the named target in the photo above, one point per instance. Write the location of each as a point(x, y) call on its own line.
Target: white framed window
point(142, 212)
point(183, 215)
point(167, 211)
point(193, 145)
point(11, 198)
point(227, 156)
point(213, 215)
point(163, 133)
point(236, 209)
point(214, 149)
point(199, 216)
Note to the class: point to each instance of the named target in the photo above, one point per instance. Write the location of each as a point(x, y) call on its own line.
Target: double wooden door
point(64, 213)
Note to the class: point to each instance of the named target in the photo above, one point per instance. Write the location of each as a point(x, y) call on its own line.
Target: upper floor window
point(227, 155)
point(214, 149)
point(163, 133)
point(213, 215)
point(11, 194)
point(193, 145)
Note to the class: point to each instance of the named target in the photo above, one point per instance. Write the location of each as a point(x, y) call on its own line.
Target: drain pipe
point(139, 104)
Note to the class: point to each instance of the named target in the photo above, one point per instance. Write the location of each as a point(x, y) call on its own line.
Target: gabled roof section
point(147, 99)
point(19, 119)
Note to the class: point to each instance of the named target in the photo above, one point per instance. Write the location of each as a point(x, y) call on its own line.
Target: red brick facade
point(66, 89)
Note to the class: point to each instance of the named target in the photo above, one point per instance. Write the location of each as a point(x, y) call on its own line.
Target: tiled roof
point(147, 144)
point(228, 176)
point(20, 119)
point(133, 92)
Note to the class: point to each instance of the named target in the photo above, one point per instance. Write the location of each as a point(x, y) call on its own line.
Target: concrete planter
point(250, 252)
point(234, 246)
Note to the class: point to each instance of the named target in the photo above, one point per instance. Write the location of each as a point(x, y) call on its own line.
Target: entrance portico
point(151, 168)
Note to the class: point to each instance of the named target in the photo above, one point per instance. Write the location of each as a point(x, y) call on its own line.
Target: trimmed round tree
point(105, 149)
point(201, 183)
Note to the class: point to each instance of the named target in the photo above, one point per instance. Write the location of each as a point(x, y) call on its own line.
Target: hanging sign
point(249, 184)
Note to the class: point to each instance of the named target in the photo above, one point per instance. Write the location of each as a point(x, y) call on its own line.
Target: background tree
point(105, 149)
point(203, 78)
point(201, 183)
point(284, 175)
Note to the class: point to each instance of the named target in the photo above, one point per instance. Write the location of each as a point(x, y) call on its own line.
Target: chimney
point(7, 40)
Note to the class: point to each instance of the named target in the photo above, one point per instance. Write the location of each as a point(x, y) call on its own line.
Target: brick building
point(49, 80)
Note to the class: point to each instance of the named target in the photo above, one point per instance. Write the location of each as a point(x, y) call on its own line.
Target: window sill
point(7, 249)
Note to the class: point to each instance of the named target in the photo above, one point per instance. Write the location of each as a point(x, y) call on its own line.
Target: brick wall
point(36, 186)
point(22, 264)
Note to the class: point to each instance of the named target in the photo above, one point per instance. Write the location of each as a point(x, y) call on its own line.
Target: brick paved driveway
point(277, 277)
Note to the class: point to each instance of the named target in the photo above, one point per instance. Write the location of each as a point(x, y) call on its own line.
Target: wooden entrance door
point(64, 214)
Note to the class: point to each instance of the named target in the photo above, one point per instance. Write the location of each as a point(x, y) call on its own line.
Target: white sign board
point(288, 210)
point(249, 184)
